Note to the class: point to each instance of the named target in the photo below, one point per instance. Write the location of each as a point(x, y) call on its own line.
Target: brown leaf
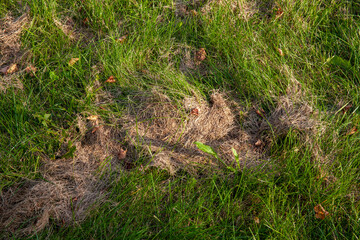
point(200, 55)
point(351, 131)
point(31, 70)
point(194, 111)
point(257, 220)
point(122, 153)
point(12, 68)
point(85, 21)
point(111, 79)
point(193, 12)
point(281, 52)
point(258, 143)
point(93, 118)
point(320, 212)
point(73, 61)
point(121, 39)
point(279, 12)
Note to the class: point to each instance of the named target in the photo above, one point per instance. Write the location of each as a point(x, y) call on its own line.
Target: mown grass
point(320, 42)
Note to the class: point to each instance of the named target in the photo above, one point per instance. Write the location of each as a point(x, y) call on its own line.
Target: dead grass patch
point(166, 130)
point(10, 49)
point(70, 187)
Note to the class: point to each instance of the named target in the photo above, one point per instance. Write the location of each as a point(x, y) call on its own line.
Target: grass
point(321, 50)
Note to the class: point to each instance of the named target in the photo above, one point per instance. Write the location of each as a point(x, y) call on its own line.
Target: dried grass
point(70, 189)
point(166, 130)
point(10, 49)
point(10, 33)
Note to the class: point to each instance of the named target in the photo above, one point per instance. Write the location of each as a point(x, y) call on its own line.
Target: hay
point(10, 33)
point(166, 130)
point(70, 188)
point(10, 49)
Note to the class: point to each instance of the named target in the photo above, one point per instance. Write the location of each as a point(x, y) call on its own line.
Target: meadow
point(179, 119)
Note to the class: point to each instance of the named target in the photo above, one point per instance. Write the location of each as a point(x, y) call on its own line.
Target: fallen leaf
point(121, 39)
point(258, 143)
point(93, 118)
point(73, 61)
point(200, 55)
point(122, 153)
point(11, 69)
point(194, 111)
point(193, 12)
point(320, 212)
point(111, 79)
point(280, 52)
point(351, 131)
point(31, 70)
point(257, 220)
point(85, 21)
point(279, 12)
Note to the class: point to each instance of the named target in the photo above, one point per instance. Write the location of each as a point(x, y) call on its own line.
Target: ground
point(195, 119)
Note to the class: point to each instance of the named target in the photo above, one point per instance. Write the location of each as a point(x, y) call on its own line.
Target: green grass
point(320, 42)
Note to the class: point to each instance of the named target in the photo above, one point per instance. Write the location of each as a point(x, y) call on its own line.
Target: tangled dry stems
point(167, 130)
point(70, 187)
point(10, 48)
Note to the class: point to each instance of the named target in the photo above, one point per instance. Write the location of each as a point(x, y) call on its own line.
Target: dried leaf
point(200, 55)
point(193, 12)
point(122, 39)
point(73, 61)
point(111, 79)
point(93, 118)
point(257, 220)
point(352, 131)
point(280, 52)
point(85, 21)
point(10, 69)
point(258, 143)
point(320, 212)
point(279, 12)
point(194, 111)
point(31, 70)
point(122, 153)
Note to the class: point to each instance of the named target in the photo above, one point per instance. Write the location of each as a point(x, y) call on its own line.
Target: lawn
point(179, 119)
